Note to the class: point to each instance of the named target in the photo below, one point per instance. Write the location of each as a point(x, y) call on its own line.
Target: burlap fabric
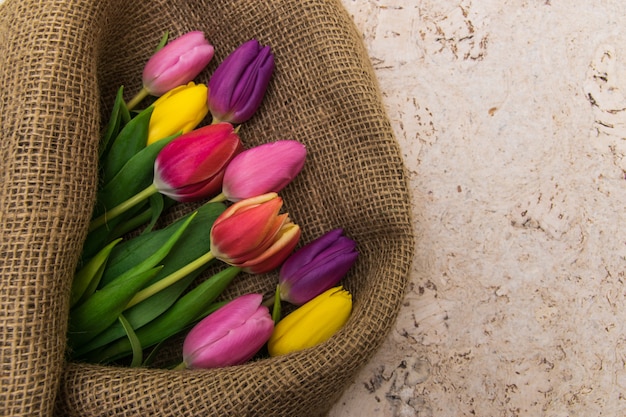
point(61, 64)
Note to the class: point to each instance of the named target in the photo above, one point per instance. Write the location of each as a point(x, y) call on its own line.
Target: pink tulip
point(263, 169)
point(177, 63)
point(230, 335)
point(191, 167)
point(252, 235)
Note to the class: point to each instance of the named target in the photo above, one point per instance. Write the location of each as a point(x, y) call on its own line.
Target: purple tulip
point(238, 85)
point(263, 169)
point(192, 166)
point(177, 63)
point(230, 335)
point(316, 267)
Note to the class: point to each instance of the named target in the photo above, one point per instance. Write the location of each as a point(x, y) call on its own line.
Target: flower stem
point(218, 198)
point(143, 93)
point(180, 366)
point(121, 208)
point(276, 309)
point(170, 279)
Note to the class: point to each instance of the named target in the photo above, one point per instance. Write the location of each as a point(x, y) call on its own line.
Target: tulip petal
point(238, 345)
point(273, 256)
point(177, 63)
point(248, 94)
point(217, 325)
point(262, 169)
point(239, 83)
point(316, 267)
point(324, 276)
point(179, 110)
point(244, 227)
point(313, 323)
point(192, 166)
point(308, 252)
point(229, 336)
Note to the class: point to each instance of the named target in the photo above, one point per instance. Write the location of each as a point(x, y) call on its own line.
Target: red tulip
point(252, 235)
point(191, 167)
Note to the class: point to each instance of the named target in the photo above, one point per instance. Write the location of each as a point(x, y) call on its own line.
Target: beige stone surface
point(512, 120)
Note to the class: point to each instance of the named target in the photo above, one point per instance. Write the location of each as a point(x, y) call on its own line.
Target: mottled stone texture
point(512, 118)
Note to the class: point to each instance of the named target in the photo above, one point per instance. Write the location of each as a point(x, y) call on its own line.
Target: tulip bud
point(252, 235)
point(263, 169)
point(311, 324)
point(191, 167)
point(178, 111)
point(238, 85)
point(316, 267)
point(229, 336)
point(177, 63)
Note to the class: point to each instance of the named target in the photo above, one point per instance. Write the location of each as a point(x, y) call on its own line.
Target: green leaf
point(100, 237)
point(131, 139)
point(211, 309)
point(119, 117)
point(156, 208)
point(139, 219)
point(104, 306)
point(133, 177)
point(135, 344)
point(101, 309)
point(186, 310)
point(194, 244)
point(140, 314)
point(87, 278)
point(158, 254)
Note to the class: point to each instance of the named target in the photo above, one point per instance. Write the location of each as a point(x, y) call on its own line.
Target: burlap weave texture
point(61, 62)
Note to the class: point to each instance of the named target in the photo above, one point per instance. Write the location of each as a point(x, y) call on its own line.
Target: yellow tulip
point(179, 110)
point(312, 323)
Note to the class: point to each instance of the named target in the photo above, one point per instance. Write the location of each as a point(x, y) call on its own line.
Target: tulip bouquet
point(138, 281)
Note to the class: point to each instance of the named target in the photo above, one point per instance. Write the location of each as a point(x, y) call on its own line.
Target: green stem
point(218, 198)
point(143, 93)
point(180, 366)
point(276, 309)
point(170, 279)
point(121, 208)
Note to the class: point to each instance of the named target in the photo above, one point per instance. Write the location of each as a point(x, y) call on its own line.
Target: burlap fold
point(61, 62)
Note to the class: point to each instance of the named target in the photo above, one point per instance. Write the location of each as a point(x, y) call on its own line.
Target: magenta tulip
point(229, 336)
point(192, 166)
point(316, 267)
point(252, 235)
point(238, 86)
point(263, 169)
point(177, 63)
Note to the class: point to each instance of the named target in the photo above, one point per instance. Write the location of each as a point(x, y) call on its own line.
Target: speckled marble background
point(512, 120)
